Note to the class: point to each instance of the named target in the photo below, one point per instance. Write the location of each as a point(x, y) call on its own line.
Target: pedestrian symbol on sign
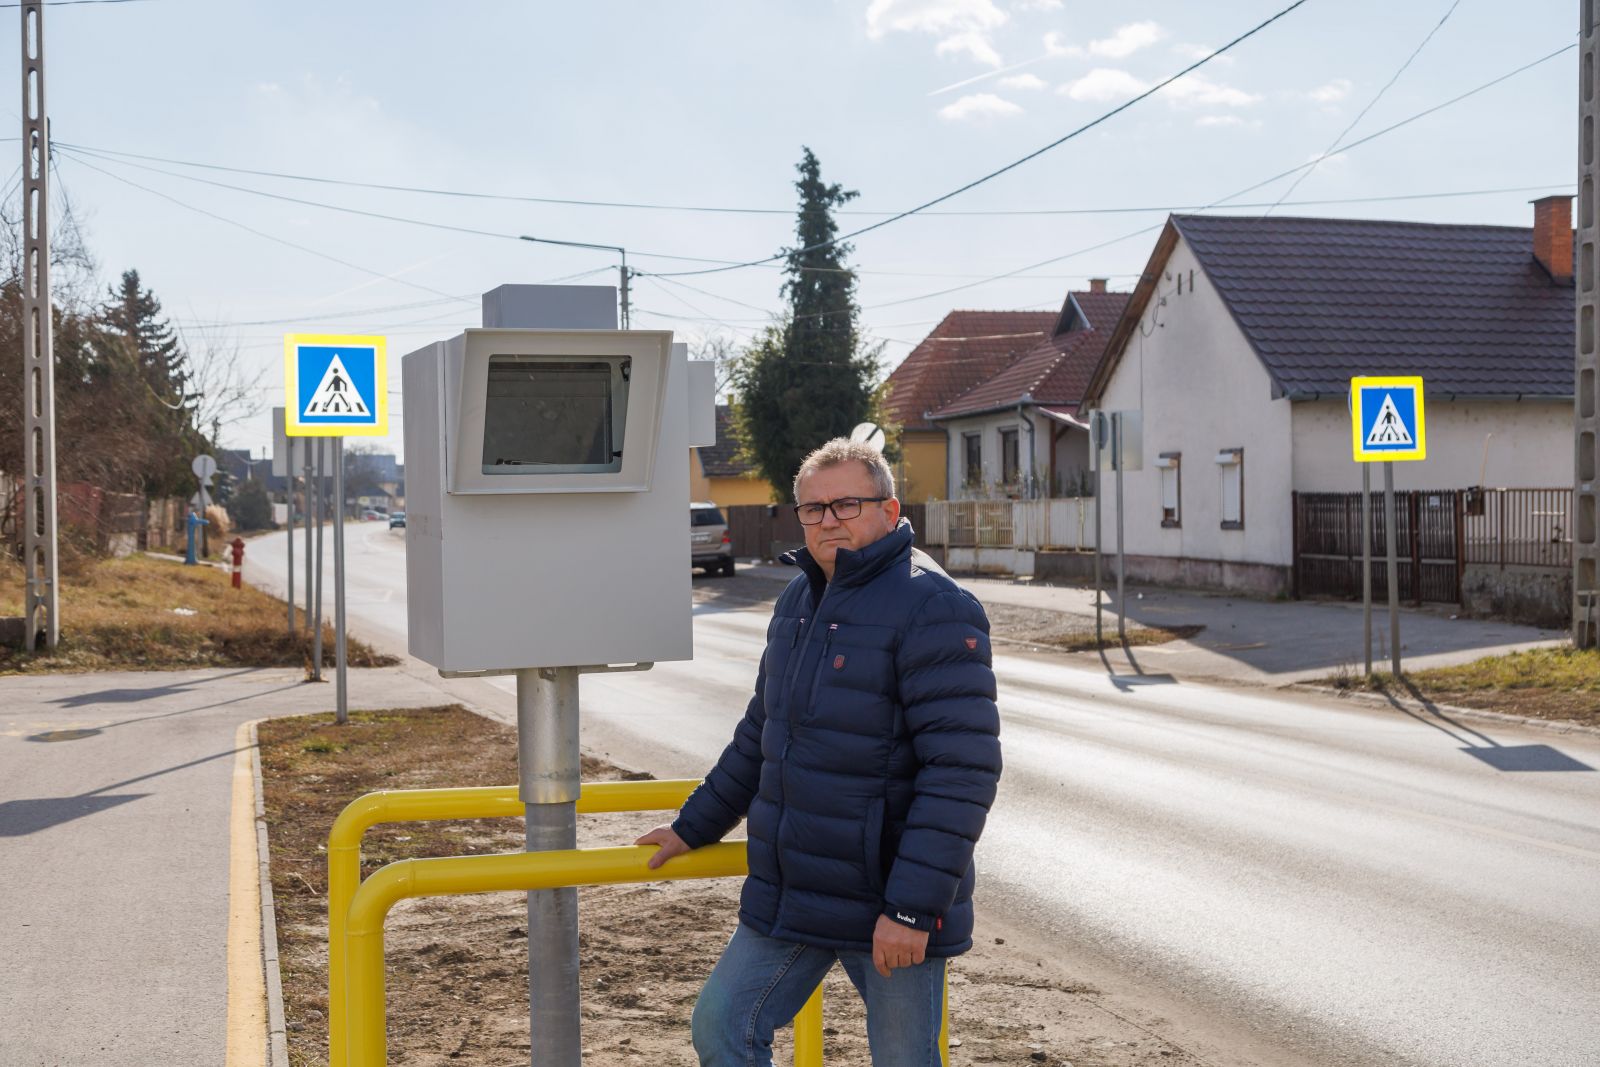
point(333, 395)
point(1388, 429)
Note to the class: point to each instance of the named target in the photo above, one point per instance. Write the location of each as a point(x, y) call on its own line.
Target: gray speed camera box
point(547, 481)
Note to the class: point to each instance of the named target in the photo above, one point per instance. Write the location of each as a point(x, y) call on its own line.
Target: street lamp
point(623, 270)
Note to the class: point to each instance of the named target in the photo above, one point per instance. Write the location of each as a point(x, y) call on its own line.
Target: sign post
point(337, 387)
point(283, 467)
point(1387, 425)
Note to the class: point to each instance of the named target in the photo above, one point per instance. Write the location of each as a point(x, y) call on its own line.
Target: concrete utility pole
point(1586, 498)
point(41, 599)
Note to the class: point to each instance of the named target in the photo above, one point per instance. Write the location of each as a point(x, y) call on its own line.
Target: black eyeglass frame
point(833, 506)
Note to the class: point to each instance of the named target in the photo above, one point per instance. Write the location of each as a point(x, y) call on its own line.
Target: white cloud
point(1200, 51)
point(1228, 121)
point(1333, 92)
point(1023, 81)
point(1103, 83)
point(1197, 91)
point(1127, 40)
point(1038, 5)
point(962, 26)
point(975, 44)
point(979, 106)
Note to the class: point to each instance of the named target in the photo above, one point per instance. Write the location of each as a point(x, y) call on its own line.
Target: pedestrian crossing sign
point(1386, 419)
point(335, 386)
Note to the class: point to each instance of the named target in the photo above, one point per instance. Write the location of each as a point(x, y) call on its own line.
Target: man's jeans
point(761, 983)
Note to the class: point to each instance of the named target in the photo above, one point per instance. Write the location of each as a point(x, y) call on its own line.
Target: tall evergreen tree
point(808, 378)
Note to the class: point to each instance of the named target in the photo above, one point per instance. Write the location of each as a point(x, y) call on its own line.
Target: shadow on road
point(1481, 746)
point(19, 818)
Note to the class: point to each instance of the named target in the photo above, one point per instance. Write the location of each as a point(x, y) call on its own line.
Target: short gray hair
point(843, 450)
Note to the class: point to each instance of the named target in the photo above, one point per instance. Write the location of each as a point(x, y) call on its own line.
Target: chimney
point(1098, 285)
point(1552, 236)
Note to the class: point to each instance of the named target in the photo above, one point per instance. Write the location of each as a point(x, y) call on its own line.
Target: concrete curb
point(277, 1032)
point(1560, 726)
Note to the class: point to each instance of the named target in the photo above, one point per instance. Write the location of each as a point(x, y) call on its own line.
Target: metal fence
point(1518, 527)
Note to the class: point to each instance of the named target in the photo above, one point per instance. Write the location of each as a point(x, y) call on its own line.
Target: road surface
point(1266, 877)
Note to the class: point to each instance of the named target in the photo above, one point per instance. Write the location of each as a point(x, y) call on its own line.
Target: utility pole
point(1586, 431)
point(625, 275)
point(41, 600)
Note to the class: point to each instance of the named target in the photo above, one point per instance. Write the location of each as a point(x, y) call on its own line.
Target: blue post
point(194, 523)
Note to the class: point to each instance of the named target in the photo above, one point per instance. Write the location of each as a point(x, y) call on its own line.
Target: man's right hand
point(671, 845)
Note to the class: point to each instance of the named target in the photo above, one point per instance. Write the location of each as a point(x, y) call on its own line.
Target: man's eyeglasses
point(846, 507)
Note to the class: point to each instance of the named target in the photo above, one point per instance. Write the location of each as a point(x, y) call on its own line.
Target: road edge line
point(246, 980)
point(277, 1030)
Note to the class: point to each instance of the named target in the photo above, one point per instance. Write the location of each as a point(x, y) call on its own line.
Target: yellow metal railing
point(357, 1034)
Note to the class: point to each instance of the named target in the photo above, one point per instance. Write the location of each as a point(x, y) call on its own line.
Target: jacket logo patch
point(972, 643)
point(838, 662)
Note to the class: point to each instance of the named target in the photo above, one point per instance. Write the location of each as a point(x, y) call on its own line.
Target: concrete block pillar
point(1586, 531)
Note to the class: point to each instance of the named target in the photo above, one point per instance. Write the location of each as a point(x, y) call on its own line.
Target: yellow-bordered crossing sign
point(1387, 421)
point(335, 386)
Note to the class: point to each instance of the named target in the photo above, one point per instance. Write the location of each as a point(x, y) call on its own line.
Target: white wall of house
point(989, 429)
point(1529, 446)
point(1202, 389)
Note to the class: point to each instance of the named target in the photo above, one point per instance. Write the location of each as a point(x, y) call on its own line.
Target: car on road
point(710, 544)
point(398, 519)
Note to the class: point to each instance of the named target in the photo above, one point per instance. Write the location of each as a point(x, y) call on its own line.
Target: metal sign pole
point(342, 715)
point(316, 620)
point(1117, 457)
point(289, 480)
point(1390, 536)
point(1366, 567)
point(548, 765)
point(1096, 431)
point(305, 505)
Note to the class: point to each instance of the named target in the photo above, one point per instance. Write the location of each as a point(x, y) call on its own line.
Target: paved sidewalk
point(114, 850)
point(1256, 642)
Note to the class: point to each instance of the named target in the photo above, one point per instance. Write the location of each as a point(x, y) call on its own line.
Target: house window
point(972, 460)
point(1170, 466)
point(1230, 465)
point(1010, 458)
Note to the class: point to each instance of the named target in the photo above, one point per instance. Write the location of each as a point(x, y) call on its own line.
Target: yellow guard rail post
point(418, 805)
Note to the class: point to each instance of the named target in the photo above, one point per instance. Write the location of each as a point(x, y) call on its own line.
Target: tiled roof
point(963, 350)
point(1466, 307)
point(721, 460)
point(1054, 371)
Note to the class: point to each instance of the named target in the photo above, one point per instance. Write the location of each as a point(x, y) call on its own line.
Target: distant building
point(717, 474)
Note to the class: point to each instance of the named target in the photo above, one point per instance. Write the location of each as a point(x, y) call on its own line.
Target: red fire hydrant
point(238, 559)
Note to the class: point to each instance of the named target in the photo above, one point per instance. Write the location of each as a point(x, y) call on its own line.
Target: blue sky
point(708, 104)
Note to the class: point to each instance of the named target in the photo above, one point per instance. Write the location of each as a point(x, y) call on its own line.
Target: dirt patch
point(152, 613)
point(1560, 684)
point(457, 966)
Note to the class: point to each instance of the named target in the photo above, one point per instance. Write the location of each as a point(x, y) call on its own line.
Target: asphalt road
point(1264, 877)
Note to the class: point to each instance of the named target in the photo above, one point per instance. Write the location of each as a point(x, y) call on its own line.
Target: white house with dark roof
point(1238, 344)
point(1018, 432)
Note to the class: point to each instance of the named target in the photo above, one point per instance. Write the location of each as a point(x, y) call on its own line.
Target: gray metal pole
point(548, 777)
point(41, 602)
point(624, 290)
point(316, 620)
point(342, 714)
point(1366, 567)
point(1099, 500)
point(289, 466)
point(1390, 537)
point(1122, 555)
point(305, 500)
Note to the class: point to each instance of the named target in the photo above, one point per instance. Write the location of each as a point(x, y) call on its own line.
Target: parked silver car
point(710, 544)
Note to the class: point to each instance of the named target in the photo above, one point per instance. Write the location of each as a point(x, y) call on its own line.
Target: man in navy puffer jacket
point(866, 763)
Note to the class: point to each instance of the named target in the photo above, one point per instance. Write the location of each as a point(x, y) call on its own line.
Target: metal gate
point(1327, 545)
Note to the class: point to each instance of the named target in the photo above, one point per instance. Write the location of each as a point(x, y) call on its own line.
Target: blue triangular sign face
point(1389, 430)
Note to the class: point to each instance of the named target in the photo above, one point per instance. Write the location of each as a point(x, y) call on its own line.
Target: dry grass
point(152, 613)
point(1545, 683)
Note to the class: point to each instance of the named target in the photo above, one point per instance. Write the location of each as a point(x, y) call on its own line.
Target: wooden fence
point(762, 531)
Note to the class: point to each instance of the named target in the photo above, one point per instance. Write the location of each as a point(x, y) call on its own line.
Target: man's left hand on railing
point(671, 845)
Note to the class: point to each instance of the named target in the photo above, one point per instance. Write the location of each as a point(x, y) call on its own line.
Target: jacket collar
point(856, 568)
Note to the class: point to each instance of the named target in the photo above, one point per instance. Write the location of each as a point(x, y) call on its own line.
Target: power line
point(1107, 116)
point(1370, 104)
